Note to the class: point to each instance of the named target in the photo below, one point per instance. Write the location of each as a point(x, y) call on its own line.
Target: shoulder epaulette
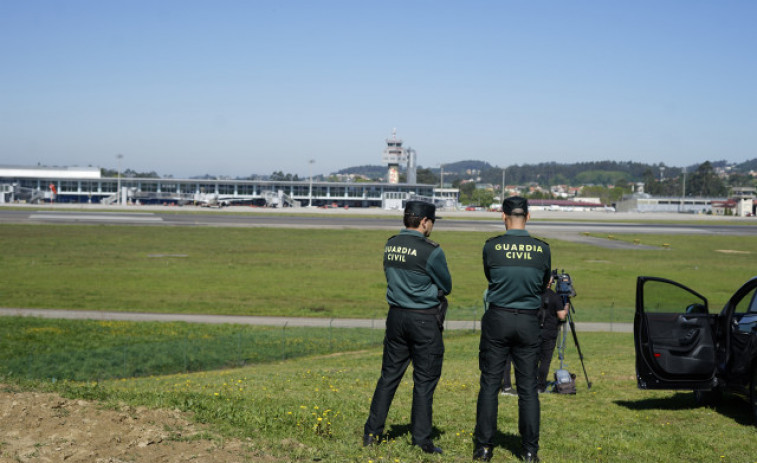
point(494, 237)
point(431, 242)
point(539, 239)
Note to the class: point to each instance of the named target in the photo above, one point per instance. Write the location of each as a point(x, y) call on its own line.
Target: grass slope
point(313, 409)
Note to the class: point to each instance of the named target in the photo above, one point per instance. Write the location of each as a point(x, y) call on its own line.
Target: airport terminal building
point(86, 185)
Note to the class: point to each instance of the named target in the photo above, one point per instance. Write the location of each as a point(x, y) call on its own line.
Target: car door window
point(753, 303)
point(661, 297)
point(747, 304)
point(745, 312)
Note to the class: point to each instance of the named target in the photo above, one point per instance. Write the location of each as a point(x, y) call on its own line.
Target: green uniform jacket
point(416, 270)
point(517, 267)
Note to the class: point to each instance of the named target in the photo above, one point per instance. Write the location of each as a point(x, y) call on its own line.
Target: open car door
point(673, 335)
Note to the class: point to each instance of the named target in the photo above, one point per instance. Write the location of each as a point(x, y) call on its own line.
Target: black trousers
point(504, 334)
point(410, 336)
point(546, 352)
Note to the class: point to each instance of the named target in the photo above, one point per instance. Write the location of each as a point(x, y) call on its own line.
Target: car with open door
point(681, 345)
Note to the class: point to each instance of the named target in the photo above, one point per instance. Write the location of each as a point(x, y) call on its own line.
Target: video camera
point(563, 284)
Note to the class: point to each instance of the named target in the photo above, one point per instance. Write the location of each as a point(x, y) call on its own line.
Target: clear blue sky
point(186, 87)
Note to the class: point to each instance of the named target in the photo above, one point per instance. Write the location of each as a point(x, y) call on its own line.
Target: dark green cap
point(421, 209)
point(515, 205)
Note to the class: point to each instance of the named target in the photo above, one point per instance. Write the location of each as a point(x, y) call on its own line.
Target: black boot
point(429, 447)
point(482, 453)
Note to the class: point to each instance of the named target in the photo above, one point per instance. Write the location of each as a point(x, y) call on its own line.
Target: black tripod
point(561, 349)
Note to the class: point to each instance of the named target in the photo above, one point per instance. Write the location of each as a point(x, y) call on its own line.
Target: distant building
point(49, 172)
point(567, 205)
point(86, 185)
point(746, 201)
point(642, 202)
point(741, 203)
point(726, 207)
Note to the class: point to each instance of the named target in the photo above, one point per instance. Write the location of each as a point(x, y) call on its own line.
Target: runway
point(564, 226)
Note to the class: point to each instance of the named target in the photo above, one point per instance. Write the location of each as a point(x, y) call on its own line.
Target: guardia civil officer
point(417, 282)
point(517, 267)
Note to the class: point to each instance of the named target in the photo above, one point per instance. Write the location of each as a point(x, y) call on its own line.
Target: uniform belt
point(515, 311)
point(429, 311)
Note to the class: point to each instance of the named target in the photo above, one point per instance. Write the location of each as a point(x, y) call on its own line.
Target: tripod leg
point(578, 347)
point(561, 347)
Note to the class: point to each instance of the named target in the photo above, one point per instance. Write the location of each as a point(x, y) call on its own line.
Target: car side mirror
point(696, 308)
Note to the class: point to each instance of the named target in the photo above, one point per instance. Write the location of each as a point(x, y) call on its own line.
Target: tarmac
point(536, 213)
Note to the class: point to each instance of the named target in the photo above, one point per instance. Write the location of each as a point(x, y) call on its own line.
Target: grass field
point(313, 409)
point(320, 273)
point(91, 350)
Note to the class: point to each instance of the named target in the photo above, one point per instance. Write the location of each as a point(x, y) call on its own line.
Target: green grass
point(313, 409)
point(91, 350)
point(319, 273)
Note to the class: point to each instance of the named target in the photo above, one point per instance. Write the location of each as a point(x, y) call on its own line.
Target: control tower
point(394, 155)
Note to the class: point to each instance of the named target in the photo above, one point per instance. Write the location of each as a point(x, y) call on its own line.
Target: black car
point(681, 345)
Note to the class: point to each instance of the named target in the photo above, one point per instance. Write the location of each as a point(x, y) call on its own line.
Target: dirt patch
point(43, 427)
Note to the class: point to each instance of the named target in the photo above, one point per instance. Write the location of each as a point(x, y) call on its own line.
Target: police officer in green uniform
point(417, 282)
point(517, 267)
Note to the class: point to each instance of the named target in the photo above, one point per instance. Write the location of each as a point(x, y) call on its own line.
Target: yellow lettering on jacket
point(518, 255)
point(401, 250)
point(399, 253)
point(518, 247)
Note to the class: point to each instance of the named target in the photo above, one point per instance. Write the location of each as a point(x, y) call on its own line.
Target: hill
point(553, 173)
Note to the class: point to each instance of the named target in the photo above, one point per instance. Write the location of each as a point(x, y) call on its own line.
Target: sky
point(223, 87)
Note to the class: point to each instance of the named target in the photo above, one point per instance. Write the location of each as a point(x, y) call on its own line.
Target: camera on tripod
point(563, 285)
point(564, 380)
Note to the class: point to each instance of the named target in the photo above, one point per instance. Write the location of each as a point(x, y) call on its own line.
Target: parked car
point(681, 345)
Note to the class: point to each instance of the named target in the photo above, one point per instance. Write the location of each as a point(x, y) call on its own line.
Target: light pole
point(310, 173)
point(504, 169)
point(683, 190)
point(119, 156)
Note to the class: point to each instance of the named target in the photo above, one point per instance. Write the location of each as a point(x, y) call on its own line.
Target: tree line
point(607, 180)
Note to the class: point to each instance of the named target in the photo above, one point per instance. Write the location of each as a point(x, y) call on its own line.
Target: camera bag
point(565, 382)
